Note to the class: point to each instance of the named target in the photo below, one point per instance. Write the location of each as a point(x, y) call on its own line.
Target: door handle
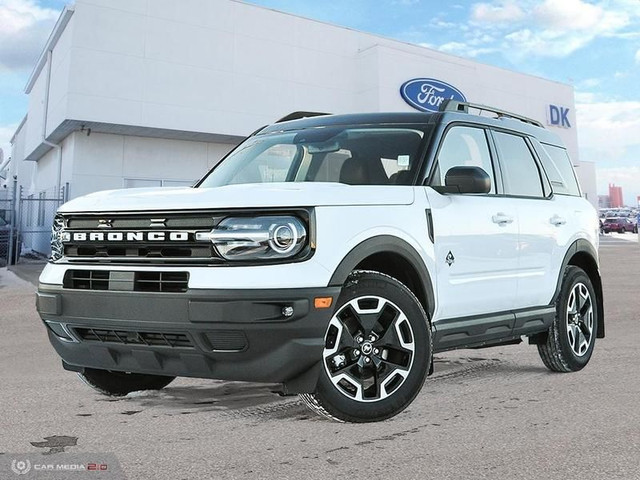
point(557, 220)
point(502, 219)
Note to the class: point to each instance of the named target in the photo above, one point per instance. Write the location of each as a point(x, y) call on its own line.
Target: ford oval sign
point(426, 94)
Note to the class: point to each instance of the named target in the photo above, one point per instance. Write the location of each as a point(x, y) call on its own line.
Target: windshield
point(351, 155)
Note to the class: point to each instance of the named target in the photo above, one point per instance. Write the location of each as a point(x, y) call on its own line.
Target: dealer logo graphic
point(21, 467)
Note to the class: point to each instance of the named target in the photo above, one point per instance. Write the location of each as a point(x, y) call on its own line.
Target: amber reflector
point(322, 302)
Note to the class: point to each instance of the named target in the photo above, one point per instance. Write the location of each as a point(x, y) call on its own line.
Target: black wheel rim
point(369, 349)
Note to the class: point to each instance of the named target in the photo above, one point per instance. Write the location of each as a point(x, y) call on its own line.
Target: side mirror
point(467, 180)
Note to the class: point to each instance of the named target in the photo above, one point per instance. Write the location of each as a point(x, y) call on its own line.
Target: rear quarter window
point(557, 165)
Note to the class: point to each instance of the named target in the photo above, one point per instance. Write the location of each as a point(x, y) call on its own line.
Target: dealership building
point(137, 93)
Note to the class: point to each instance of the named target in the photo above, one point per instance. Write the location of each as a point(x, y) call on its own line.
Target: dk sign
point(558, 116)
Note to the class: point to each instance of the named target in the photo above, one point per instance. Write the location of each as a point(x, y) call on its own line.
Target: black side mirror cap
point(466, 180)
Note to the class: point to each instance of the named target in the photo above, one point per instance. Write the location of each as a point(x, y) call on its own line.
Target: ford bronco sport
point(333, 255)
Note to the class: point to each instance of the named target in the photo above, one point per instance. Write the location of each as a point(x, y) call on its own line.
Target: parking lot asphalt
point(494, 413)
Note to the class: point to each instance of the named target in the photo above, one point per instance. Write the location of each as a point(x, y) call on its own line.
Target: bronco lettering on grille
point(129, 237)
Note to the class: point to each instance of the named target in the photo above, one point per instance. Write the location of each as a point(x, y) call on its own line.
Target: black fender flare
point(386, 244)
point(583, 246)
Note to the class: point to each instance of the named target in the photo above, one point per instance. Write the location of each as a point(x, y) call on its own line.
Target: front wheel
point(377, 351)
point(572, 336)
point(121, 383)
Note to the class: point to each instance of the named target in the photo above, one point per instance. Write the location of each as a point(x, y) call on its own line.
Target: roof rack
point(298, 115)
point(463, 107)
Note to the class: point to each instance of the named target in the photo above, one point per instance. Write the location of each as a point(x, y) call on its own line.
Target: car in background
point(619, 224)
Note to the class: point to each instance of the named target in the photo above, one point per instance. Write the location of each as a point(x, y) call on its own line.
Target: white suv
point(333, 255)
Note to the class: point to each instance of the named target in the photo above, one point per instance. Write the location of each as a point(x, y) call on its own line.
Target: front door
point(475, 235)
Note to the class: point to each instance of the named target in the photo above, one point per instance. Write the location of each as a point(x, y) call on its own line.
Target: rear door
point(475, 236)
point(544, 221)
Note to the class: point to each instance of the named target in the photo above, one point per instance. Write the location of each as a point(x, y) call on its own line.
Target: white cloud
point(465, 49)
point(496, 13)
point(638, 56)
point(588, 83)
point(24, 28)
point(608, 135)
point(568, 14)
point(608, 126)
point(551, 28)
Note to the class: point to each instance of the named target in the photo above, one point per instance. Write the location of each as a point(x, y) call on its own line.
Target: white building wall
point(107, 161)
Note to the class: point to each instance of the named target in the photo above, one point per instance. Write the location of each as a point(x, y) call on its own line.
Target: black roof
point(397, 118)
point(350, 119)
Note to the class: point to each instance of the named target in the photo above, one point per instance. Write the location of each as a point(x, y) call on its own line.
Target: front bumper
point(222, 334)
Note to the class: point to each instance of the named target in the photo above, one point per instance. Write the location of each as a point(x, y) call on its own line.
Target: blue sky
point(592, 44)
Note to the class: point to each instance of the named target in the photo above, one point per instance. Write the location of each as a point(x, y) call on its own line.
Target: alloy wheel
point(369, 349)
point(580, 319)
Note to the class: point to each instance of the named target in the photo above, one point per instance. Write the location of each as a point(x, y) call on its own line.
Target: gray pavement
point(494, 413)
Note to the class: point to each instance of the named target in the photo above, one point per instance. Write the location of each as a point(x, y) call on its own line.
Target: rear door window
point(520, 172)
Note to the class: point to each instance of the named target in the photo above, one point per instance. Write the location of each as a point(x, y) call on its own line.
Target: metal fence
point(27, 220)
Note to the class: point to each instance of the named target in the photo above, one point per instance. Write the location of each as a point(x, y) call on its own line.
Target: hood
point(309, 194)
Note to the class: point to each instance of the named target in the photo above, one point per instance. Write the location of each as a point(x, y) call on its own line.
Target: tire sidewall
point(341, 406)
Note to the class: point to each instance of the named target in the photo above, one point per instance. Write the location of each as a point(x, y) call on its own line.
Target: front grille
point(125, 337)
point(167, 282)
point(139, 249)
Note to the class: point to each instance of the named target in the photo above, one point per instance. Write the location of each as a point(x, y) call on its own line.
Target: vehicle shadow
point(226, 398)
point(243, 399)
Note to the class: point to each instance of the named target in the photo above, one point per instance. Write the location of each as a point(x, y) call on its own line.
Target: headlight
point(57, 231)
point(258, 238)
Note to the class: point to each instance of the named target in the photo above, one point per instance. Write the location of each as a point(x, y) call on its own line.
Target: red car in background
point(619, 224)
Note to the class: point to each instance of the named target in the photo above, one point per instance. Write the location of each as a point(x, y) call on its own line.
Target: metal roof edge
point(59, 27)
point(15, 134)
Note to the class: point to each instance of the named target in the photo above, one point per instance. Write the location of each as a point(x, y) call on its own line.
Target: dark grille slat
point(124, 337)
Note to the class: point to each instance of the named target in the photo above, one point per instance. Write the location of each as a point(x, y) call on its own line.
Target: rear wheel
point(377, 351)
point(121, 383)
point(572, 336)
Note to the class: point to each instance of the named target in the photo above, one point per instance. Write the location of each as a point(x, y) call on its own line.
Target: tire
point(377, 351)
point(572, 336)
point(118, 384)
point(622, 230)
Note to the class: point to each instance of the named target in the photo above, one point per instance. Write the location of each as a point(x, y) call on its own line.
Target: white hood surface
point(311, 194)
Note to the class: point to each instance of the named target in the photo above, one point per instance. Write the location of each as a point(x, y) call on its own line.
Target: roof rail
point(463, 107)
point(298, 115)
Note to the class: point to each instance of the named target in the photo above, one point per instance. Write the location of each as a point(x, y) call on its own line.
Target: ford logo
point(426, 94)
